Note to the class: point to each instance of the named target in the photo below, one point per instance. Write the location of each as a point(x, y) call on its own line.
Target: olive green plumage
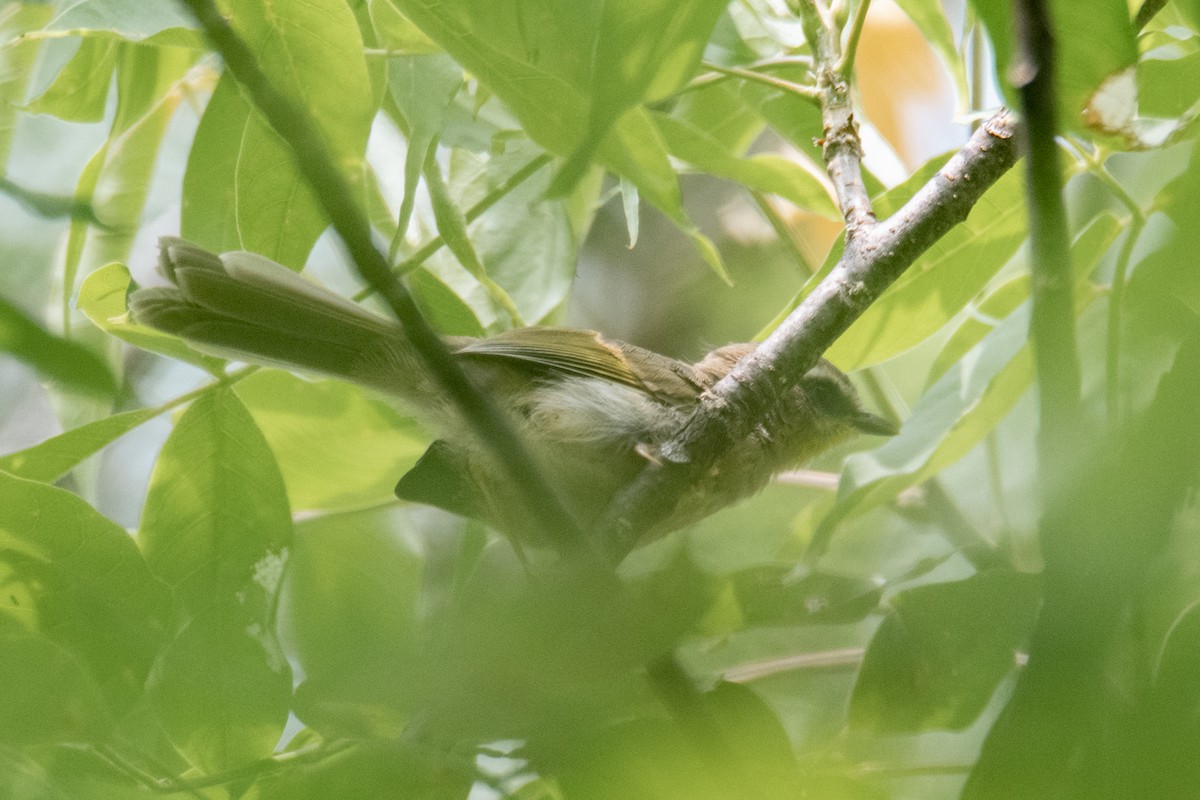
point(591, 409)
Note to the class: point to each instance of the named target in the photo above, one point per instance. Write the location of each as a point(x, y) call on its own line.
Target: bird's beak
point(870, 423)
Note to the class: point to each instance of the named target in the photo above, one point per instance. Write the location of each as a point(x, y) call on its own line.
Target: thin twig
point(845, 65)
point(800, 90)
point(341, 206)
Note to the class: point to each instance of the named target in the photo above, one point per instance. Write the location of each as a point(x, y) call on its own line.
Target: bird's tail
point(244, 306)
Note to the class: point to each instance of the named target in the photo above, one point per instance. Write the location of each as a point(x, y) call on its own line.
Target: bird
point(591, 410)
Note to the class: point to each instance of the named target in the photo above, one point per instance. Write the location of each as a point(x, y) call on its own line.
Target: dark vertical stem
point(1052, 324)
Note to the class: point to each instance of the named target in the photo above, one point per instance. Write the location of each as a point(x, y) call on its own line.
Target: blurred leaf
point(87, 587)
point(1099, 534)
point(216, 522)
point(337, 447)
point(930, 19)
point(165, 24)
point(1090, 246)
point(221, 692)
point(787, 595)
point(79, 93)
point(962, 406)
point(50, 460)
point(17, 61)
point(371, 771)
point(422, 87)
point(68, 364)
point(643, 50)
point(445, 310)
point(349, 613)
point(452, 226)
point(764, 172)
point(116, 180)
point(939, 655)
point(732, 745)
point(102, 298)
point(50, 206)
point(396, 33)
point(1094, 41)
point(242, 190)
point(534, 60)
point(529, 242)
point(48, 696)
point(1168, 88)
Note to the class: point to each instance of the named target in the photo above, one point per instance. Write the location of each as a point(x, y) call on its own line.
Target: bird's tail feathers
point(244, 306)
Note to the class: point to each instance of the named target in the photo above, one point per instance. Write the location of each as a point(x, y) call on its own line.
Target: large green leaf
point(221, 693)
point(216, 522)
point(242, 189)
point(48, 695)
point(353, 567)
point(78, 579)
point(939, 655)
point(337, 447)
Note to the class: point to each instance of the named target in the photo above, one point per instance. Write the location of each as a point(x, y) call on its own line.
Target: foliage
point(209, 589)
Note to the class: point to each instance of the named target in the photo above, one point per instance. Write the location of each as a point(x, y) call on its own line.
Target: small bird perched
point(590, 409)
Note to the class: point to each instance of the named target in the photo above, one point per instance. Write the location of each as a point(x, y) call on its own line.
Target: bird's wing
point(587, 354)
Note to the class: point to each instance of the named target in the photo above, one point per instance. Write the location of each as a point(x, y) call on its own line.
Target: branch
point(732, 407)
point(341, 206)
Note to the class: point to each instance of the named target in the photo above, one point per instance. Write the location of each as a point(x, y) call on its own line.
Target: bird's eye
point(829, 398)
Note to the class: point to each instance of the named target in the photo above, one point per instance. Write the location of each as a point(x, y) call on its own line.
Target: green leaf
point(930, 19)
point(353, 567)
point(369, 771)
point(78, 579)
point(116, 180)
point(165, 24)
point(1089, 248)
point(55, 457)
point(422, 87)
point(49, 697)
point(764, 172)
point(396, 33)
point(452, 227)
point(68, 364)
point(337, 447)
point(17, 61)
point(1094, 41)
point(962, 406)
point(942, 281)
point(529, 242)
point(939, 655)
point(221, 693)
point(216, 522)
point(643, 51)
point(242, 189)
point(80, 91)
point(102, 298)
point(535, 60)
